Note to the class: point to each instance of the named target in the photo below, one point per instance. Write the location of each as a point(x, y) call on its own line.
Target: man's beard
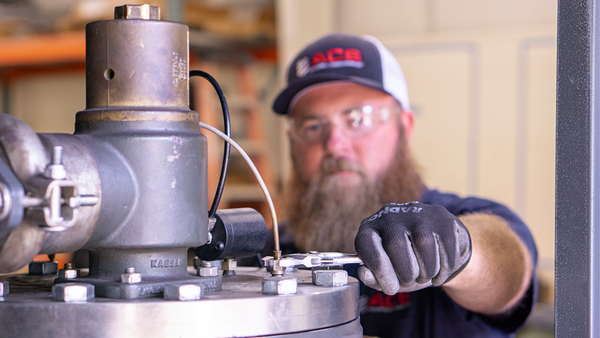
point(325, 215)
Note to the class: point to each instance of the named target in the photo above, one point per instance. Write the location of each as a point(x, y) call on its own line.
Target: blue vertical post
point(577, 302)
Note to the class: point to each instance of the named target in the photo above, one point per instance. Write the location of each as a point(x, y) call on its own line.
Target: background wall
point(48, 103)
point(481, 76)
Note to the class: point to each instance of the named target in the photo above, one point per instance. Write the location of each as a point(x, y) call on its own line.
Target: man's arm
point(499, 271)
point(478, 259)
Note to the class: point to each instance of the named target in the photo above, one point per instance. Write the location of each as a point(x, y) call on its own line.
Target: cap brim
point(283, 100)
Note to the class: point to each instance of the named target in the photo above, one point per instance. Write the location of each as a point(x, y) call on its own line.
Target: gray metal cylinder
point(153, 176)
point(137, 63)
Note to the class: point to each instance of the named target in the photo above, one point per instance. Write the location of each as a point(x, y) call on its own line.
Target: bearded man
point(435, 264)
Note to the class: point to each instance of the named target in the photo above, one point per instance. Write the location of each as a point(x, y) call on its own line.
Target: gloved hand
point(407, 247)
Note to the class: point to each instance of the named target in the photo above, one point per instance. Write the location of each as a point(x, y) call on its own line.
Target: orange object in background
point(62, 259)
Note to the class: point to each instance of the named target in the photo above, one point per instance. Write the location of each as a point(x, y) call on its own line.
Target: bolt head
point(56, 172)
point(279, 285)
point(330, 277)
point(69, 292)
point(208, 271)
point(183, 292)
point(3, 288)
point(131, 278)
point(133, 12)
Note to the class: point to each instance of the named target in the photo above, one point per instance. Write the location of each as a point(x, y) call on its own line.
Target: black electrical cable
point(227, 148)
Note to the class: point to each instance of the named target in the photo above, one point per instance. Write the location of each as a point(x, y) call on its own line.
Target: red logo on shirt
point(383, 300)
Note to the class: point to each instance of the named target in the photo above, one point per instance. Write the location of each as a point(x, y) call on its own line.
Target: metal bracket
point(62, 198)
point(57, 216)
point(61, 202)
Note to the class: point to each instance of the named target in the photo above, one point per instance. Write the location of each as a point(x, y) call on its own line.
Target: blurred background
point(481, 76)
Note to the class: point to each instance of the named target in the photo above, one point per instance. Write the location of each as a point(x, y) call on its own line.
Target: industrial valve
point(130, 187)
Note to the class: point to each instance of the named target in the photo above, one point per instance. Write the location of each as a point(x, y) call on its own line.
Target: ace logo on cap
point(332, 58)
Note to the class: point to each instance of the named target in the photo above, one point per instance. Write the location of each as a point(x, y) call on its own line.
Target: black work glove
point(407, 247)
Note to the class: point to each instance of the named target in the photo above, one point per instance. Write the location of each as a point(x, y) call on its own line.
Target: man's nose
point(336, 141)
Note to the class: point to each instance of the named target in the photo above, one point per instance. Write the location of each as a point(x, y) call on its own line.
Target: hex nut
point(229, 265)
point(279, 285)
point(330, 277)
point(56, 172)
point(3, 288)
point(131, 277)
point(208, 271)
point(183, 292)
point(43, 268)
point(68, 273)
point(70, 292)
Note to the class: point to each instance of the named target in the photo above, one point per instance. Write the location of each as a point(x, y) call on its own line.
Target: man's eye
point(311, 126)
point(355, 118)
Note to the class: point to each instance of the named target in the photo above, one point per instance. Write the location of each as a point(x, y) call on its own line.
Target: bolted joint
point(70, 292)
point(330, 277)
point(277, 285)
point(137, 12)
point(229, 264)
point(207, 270)
point(3, 288)
point(183, 292)
point(229, 267)
point(131, 277)
point(56, 170)
point(69, 272)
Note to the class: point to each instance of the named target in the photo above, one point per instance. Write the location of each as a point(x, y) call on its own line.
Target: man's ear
point(407, 118)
